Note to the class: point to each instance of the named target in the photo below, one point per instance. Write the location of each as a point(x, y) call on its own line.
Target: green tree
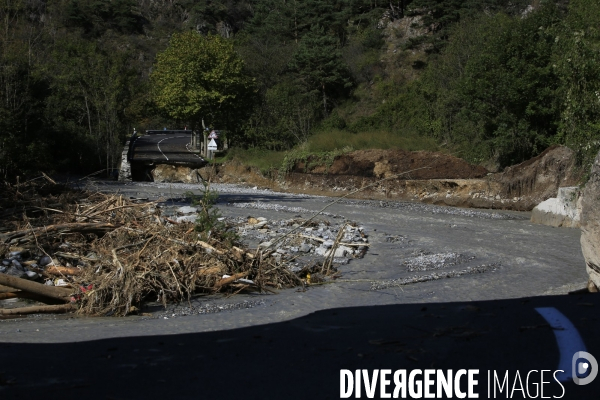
point(320, 66)
point(89, 91)
point(201, 77)
point(284, 118)
point(492, 91)
point(439, 16)
point(97, 16)
point(577, 63)
point(22, 89)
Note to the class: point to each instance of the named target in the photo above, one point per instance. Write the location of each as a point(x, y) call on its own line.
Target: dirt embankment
point(434, 178)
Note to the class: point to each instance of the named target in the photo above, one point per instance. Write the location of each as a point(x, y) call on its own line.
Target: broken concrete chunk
point(341, 261)
point(342, 251)
point(563, 210)
point(187, 210)
point(321, 250)
point(187, 218)
point(305, 247)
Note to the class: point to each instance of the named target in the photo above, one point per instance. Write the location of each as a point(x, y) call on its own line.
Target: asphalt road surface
point(508, 315)
point(164, 147)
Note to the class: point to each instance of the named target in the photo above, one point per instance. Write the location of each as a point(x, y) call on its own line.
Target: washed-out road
point(439, 287)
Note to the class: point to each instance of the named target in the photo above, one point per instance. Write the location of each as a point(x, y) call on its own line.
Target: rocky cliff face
point(539, 178)
point(590, 225)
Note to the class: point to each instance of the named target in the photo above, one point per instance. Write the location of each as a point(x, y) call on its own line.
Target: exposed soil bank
point(428, 177)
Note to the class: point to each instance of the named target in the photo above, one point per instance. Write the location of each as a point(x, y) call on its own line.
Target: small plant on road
point(209, 222)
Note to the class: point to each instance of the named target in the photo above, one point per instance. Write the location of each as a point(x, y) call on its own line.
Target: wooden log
point(56, 270)
point(38, 309)
point(231, 279)
point(208, 247)
point(21, 294)
point(79, 227)
point(37, 288)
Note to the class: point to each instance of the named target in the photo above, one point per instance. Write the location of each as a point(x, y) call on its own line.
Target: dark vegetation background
point(492, 81)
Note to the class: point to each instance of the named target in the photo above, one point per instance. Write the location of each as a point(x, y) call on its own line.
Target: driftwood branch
point(49, 179)
point(33, 287)
point(38, 309)
point(341, 243)
point(21, 294)
point(226, 281)
point(98, 228)
point(56, 270)
point(208, 247)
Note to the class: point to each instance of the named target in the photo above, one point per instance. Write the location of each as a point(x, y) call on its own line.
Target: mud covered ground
point(433, 178)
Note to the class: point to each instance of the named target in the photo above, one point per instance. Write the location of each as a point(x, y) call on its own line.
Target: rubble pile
point(104, 254)
point(315, 239)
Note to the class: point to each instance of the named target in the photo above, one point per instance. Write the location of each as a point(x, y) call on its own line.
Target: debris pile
point(105, 254)
point(306, 240)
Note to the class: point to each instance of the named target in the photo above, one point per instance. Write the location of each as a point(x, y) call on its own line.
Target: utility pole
point(205, 142)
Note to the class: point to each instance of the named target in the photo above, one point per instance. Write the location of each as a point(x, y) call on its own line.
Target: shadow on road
point(302, 358)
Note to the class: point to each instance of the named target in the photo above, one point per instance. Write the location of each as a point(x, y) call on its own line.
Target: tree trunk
point(324, 102)
point(52, 292)
point(39, 309)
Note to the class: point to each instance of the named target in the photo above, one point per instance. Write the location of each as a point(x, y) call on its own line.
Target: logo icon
point(584, 367)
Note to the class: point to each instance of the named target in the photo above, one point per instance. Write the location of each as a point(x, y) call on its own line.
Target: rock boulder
point(563, 210)
point(590, 224)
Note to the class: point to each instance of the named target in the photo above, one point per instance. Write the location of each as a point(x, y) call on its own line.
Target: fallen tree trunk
point(38, 309)
point(37, 288)
point(21, 294)
point(79, 227)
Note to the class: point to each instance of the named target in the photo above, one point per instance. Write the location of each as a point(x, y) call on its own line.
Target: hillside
point(494, 82)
